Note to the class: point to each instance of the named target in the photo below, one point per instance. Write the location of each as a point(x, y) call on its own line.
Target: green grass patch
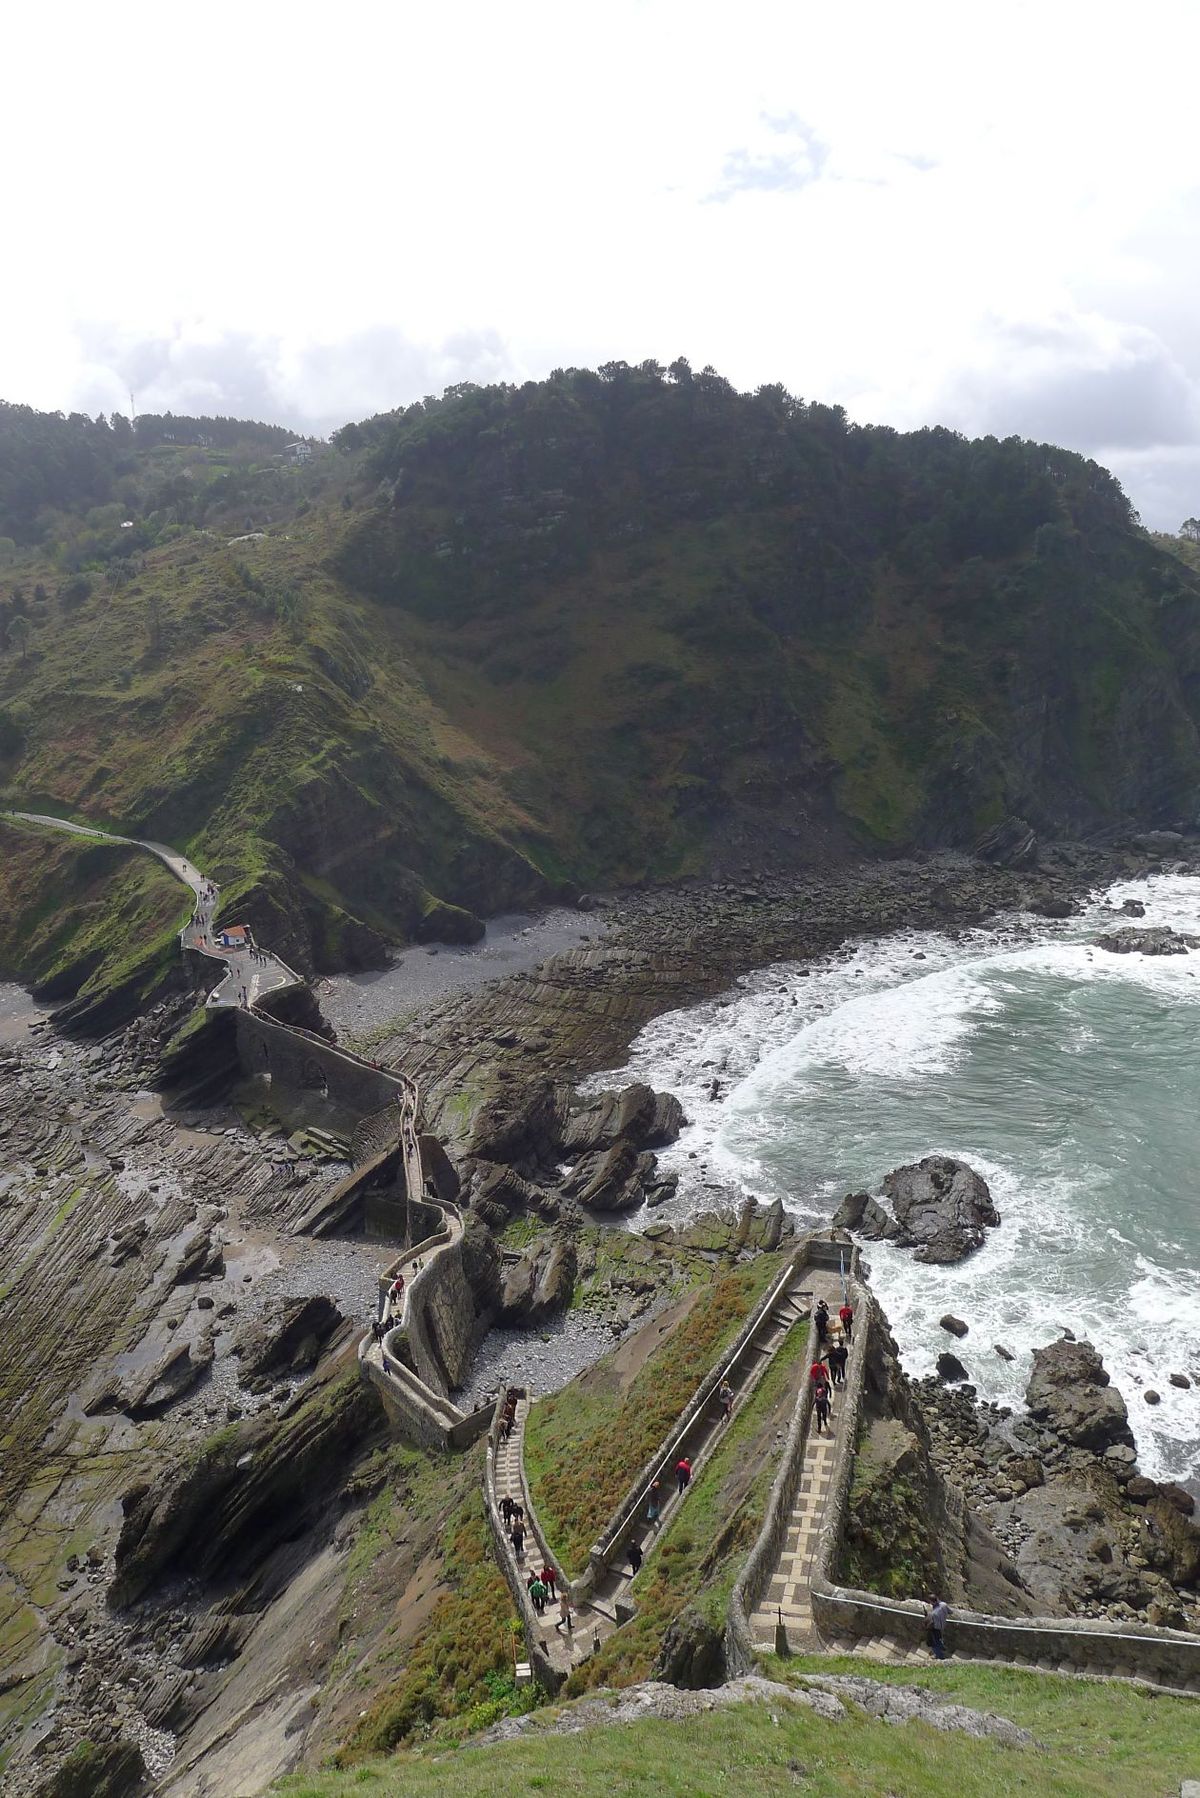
point(464, 1655)
point(1091, 1741)
point(585, 1444)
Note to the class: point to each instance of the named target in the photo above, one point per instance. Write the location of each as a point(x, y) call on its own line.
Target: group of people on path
point(833, 1351)
point(544, 1584)
point(508, 1415)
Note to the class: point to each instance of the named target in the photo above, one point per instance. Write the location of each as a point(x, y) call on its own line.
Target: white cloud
point(929, 213)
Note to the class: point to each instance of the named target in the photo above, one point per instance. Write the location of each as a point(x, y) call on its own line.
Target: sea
point(1068, 1076)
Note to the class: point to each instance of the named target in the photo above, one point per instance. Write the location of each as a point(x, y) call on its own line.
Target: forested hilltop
point(615, 625)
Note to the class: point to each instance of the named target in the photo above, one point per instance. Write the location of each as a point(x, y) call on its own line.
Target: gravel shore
point(515, 943)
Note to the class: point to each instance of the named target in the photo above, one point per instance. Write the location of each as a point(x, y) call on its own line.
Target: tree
point(1190, 528)
point(18, 634)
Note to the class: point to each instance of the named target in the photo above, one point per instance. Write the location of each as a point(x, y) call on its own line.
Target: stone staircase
point(786, 1598)
point(611, 1601)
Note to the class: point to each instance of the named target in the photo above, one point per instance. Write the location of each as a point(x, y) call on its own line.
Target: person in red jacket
point(683, 1474)
point(818, 1373)
point(846, 1314)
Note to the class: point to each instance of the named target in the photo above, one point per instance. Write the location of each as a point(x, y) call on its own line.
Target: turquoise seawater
point(1069, 1077)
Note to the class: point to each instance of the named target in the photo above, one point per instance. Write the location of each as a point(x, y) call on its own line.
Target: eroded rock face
point(287, 1338)
point(1070, 1393)
point(612, 1179)
point(941, 1208)
point(1156, 939)
point(637, 1114)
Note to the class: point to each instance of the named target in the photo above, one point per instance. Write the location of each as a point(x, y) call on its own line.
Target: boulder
point(1151, 1397)
point(286, 1339)
point(1045, 904)
point(112, 1769)
point(1179, 1379)
point(955, 1325)
point(1158, 842)
point(637, 1114)
point(1004, 1353)
point(174, 1373)
point(858, 1211)
point(1069, 1393)
point(950, 1368)
point(692, 1653)
point(1156, 939)
point(1009, 844)
point(612, 1180)
point(1133, 908)
point(941, 1208)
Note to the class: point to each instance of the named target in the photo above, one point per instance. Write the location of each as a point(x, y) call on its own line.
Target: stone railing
point(1165, 1657)
point(661, 1465)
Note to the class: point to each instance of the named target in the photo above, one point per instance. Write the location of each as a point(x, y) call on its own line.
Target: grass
point(1090, 1741)
point(463, 1656)
point(586, 1444)
point(704, 1547)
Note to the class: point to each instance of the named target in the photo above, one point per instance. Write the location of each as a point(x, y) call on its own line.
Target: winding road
point(244, 974)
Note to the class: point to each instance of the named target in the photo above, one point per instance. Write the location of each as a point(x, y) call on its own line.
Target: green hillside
point(606, 627)
point(1089, 1740)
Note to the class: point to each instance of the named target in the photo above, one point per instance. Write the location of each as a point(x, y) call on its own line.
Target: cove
point(1068, 1076)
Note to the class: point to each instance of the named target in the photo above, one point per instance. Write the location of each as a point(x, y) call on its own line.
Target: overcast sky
point(985, 217)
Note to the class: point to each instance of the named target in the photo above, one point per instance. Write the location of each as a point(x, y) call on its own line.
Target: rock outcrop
point(286, 1339)
point(1155, 939)
point(1069, 1392)
point(939, 1207)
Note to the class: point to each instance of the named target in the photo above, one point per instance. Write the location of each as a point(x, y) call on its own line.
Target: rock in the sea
point(955, 1325)
point(1004, 1354)
point(941, 1207)
point(1047, 904)
point(1151, 1397)
point(859, 1211)
point(1133, 908)
point(1179, 1379)
point(1069, 1393)
point(949, 1367)
point(1156, 939)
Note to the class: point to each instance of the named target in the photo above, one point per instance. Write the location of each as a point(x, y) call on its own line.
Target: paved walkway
point(787, 1592)
point(243, 974)
point(612, 1600)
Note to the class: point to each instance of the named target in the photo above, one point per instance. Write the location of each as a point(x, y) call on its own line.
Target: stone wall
point(303, 1062)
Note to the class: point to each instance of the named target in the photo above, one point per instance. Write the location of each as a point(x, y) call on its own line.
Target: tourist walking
point(818, 1373)
point(939, 1611)
point(726, 1397)
point(821, 1405)
point(654, 1505)
point(539, 1595)
point(550, 1580)
point(837, 1363)
point(821, 1319)
point(846, 1314)
point(635, 1559)
point(518, 1538)
point(564, 1610)
point(506, 1509)
point(683, 1474)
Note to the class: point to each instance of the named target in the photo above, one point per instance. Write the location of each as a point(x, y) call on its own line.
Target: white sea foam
point(1052, 1066)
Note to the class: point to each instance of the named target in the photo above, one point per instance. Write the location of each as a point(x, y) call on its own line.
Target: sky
point(980, 216)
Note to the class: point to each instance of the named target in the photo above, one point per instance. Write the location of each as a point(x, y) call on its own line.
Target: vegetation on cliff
point(609, 626)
